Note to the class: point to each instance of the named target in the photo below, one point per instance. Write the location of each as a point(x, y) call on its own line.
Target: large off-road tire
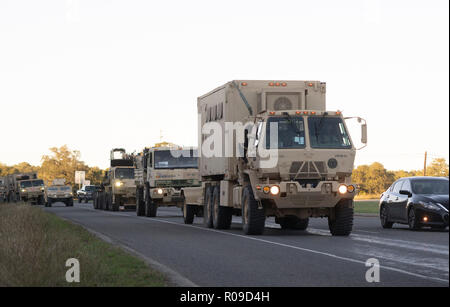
point(207, 208)
point(140, 209)
point(342, 222)
point(412, 219)
point(384, 218)
point(253, 217)
point(293, 222)
point(188, 213)
point(79, 199)
point(151, 207)
point(94, 201)
point(221, 215)
point(115, 205)
point(101, 201)
point(86, 200)
point(108, 201)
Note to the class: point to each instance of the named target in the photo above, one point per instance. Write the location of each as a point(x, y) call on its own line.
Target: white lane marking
point(283, 245)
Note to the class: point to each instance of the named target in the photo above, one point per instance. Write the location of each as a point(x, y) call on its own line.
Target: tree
point(438, 167)
point(372, 179)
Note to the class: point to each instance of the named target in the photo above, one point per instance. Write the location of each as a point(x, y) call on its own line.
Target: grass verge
point(366, 206)
point(34, 247)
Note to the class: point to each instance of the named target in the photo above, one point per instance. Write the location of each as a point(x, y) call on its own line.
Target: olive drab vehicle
point(118, 190)
point(59, 192)
point(293, 161)
point(161, 172)
point(25, 187)
point(2, 189)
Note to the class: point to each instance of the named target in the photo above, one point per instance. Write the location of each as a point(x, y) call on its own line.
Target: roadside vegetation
point(366, 206)
point(36, 244)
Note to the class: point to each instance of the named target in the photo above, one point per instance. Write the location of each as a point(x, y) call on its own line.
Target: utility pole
point(425, 165)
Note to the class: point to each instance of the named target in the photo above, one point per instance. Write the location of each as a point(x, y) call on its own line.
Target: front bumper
point(434, 218)
point(293, 195)
point(168, 195)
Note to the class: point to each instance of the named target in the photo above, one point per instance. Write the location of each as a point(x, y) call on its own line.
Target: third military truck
point(271, 149)
point(118, 190)
point(161, 172)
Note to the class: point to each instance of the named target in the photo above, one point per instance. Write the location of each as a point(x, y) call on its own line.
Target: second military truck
point(270, 148)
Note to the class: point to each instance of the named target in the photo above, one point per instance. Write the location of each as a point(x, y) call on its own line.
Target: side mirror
point(364, 133)
point(404, 192)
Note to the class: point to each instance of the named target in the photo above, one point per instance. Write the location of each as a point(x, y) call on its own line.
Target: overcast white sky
point(97, 74)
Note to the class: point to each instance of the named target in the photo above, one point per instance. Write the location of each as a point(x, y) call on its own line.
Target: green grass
point(35, 246)
point(366, 206)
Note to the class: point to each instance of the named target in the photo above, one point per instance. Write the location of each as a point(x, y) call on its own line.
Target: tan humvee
point(161, 172)
point(118, 187)
point(59, 192)
point(307, 174)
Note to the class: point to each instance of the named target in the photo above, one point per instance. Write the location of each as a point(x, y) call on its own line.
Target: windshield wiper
point(316, 133)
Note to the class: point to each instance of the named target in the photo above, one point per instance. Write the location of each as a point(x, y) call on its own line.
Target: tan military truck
point(59, 192)
point(290, 158)
point(25, 187)
point(118, 190)
point(161, 172)
point(2, 189)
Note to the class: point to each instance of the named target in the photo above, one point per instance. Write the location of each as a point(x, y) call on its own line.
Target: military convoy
point(292, 159)
point(118, 190)
point(161, 172)
point(2, 189)
point(25, 187)
point(59, 192)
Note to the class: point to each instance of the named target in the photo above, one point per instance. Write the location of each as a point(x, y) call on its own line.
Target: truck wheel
point(94, 202)
point(188, 213)
point(140, 209)
point(253, 218)
point(207, 208)
point(70, 201)
point(115, 205)
point(221, 215)
point(342, 223)
point(79, 199)
point(101, 201)
point(107, 201)
point(151, 207)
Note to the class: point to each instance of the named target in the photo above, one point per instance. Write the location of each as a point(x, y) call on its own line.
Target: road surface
point(209, 257)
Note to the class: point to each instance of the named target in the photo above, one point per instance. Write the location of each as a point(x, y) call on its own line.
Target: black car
point(86, 193)
point(416, 201)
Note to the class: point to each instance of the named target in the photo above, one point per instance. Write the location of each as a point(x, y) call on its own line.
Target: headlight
point(430, 206)
point(274, 190)
point(159, 191)
point(23, 190)
point(119, 183)
point(342, 189)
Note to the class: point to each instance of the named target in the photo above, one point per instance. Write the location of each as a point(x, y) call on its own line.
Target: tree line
point(62, 162)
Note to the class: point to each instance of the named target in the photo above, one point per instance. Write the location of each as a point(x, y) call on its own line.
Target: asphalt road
point(209, 257)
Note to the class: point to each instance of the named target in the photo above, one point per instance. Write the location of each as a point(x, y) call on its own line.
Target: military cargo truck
point(290, 159)
point(25, 187)
point(161, 172)
point(118, 190)
point(2, 189)
point(59, 192)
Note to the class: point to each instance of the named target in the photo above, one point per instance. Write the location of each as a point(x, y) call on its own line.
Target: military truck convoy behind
point(314, 158)
point(161, 172)
point(25, 187)
point(118, 187)
point(59, 192)
point(2, 189)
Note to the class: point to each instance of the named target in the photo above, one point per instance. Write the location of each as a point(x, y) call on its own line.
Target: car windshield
point(37, 183)
point(91, 188)
point(176, 159)
point(124, 173)
point(430, 186)
point(26, 184)
point(291, 132)
point(328, 132)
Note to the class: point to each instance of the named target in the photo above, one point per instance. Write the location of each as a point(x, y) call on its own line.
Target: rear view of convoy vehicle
point(59, 192)
point(118, 187)
point(161, 172)
point(311, 147)
point(25, 187)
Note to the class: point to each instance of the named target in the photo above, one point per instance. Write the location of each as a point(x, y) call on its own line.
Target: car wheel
point(412, 219)
point(384, 218)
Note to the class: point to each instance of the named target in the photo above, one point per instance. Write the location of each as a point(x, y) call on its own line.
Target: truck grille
point(307, 169)
point(177, 183)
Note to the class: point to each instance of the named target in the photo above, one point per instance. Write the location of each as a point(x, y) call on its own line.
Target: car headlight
point(119, 183)
point(430, 205)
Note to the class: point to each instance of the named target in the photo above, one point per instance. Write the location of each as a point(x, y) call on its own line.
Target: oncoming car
point(417, 202)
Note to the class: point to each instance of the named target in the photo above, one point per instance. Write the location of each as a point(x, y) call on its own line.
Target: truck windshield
point(328, 132)
point(430, 186)
point(176, 159)
point(124, 173)
point(37, 183)
point(291, 132)
point(25, 184)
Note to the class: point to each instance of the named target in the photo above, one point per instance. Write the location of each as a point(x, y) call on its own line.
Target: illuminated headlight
point(119, 183)
point(159, 191)
point(342, 189)
point(274, 190)
point(23, 190)
point(430, 206)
